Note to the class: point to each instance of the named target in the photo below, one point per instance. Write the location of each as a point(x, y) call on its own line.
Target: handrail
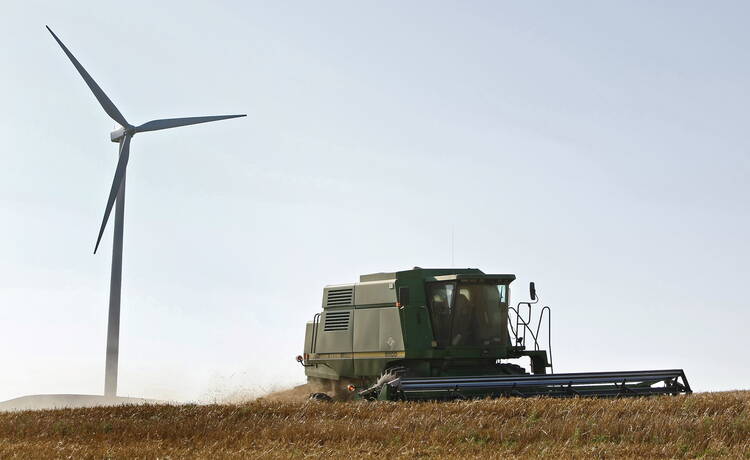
point(524, 325)
point(314, 339)
point(549, 334)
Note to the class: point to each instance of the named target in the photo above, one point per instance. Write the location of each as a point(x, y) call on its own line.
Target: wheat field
point(703, 425)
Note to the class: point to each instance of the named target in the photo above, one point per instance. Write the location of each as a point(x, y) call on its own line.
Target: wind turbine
point(122, 136)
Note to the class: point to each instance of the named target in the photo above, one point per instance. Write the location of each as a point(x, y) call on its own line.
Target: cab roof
point(438, 274)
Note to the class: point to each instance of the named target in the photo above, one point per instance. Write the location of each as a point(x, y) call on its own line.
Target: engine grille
point(336, 321)
point(339, 297)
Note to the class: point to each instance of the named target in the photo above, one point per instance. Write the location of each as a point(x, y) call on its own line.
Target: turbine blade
point(122, 164)
point(105, 102)
point(155, 125)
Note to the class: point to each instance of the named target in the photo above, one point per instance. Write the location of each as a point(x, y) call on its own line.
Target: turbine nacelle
point(118, 134)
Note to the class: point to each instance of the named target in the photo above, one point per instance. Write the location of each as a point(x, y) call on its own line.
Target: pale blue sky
point(597, 148)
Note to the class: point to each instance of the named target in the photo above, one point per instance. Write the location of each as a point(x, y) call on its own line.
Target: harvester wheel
point(320, 397)
point(512, 369)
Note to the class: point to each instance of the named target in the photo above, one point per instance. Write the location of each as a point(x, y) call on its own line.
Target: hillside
point(700, 425)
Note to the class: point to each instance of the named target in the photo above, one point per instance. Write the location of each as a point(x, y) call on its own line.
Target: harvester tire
point(320, 397)
point(513, 369)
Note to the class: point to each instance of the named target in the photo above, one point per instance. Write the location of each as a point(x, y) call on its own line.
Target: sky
point(599, 149)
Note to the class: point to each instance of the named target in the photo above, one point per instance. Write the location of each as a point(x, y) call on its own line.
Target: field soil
point(703, 425)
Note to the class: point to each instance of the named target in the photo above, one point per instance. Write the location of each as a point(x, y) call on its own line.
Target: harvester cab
point(446, 334)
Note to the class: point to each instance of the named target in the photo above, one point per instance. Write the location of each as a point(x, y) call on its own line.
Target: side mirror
point(532, 290)
point(403, 296)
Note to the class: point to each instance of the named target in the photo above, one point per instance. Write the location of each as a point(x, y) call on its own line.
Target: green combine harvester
point(444, 334)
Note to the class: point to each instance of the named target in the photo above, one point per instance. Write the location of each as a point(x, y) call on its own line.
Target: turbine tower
point(122, 136)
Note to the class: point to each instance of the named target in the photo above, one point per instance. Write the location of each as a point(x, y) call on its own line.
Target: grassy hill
point(700, 425)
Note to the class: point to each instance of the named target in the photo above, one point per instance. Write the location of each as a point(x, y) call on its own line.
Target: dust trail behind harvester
point(297, 393)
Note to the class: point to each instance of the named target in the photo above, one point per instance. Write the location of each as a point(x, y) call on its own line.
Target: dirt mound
point(68, 401)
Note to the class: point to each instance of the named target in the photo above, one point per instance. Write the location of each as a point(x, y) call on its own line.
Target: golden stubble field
point(701, 425)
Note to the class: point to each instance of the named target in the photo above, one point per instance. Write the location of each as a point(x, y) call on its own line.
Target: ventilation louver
point(337, 297)
point(336, 321)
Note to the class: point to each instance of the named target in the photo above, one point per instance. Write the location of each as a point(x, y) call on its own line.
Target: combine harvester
point(443, 334)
